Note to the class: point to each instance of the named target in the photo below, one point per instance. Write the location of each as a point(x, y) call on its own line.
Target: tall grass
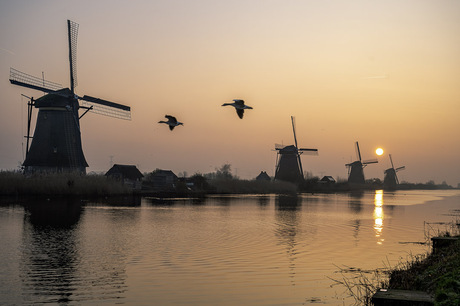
point(437, 273)
point(15, 183)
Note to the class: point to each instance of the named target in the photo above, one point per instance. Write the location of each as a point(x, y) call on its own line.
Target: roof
point(288, 150)
point(61, 98)
point(160, 172)
point(328, 178)
point(128, 171)
point(263, 176)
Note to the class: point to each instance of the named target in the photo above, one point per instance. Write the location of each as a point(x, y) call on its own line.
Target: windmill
point(56, 143)
point(355, 169)
point(288, 162)
point(391, 179)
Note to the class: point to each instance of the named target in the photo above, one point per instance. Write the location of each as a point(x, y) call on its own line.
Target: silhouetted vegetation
point(223, 181)
point(16, 183)
point(437, 273)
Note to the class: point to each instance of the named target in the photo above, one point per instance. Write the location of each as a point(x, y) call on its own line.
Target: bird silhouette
point(239, 107)
point(172, 122)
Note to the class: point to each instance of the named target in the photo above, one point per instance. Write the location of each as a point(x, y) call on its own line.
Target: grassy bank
point(15, 183)
point(437, 273)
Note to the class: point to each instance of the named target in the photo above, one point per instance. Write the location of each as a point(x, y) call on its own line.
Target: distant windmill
point(288, 162)
point(391, 179)
point(355, 169)
point(56, 144)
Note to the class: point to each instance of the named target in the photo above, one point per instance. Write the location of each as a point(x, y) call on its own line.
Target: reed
point(361, 284)
point(437, 273)
point(15, 183)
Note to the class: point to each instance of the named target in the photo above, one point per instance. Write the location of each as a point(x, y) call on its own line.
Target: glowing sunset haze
point(384, 73)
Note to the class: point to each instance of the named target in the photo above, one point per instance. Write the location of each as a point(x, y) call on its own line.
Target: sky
point(383, 73)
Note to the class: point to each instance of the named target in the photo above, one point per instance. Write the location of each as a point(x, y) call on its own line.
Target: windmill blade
point(26, 80)
point(370, 161)
point(400, 168)
point(391, 161)
point(358, 152)
point(309, 151)
point(106, 108)
point(293, 128)
point(300, 165)
point(72, 29)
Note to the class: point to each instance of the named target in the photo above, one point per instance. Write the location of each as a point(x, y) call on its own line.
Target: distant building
point(263, 176)
point(127, 174)
point(327, 180)
point(163, 179)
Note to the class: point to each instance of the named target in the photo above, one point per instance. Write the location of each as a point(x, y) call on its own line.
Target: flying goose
point(239, 107)
point(172, 122)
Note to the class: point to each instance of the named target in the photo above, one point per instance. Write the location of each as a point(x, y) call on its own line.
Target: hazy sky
point(384, 73)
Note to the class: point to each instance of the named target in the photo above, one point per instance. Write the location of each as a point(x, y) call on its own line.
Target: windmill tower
point(288, 162)
point(56, 143)
point(391, 179)
point(355, 169)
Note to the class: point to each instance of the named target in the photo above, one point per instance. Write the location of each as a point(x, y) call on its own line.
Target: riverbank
point(63, 184)
point(73, 184)
point(438, 274)
point(97, 185)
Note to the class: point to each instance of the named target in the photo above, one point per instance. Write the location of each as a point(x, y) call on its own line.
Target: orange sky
point(384, 73)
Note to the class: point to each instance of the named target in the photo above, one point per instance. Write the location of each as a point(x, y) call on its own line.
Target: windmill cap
point(60, 98)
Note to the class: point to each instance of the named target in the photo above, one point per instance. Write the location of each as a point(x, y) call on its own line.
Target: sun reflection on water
point(378, 215)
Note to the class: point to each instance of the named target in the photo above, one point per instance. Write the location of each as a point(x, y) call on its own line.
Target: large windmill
point(391, 179)
point(355, 169)
point(56, 143)
point(288, 162)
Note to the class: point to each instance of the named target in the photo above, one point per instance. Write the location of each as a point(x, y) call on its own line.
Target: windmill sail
point(26, 80)
point(72, 30)
point(106, 108)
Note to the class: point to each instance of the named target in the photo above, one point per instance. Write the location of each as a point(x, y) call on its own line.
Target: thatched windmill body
point(390, 179)
point(288, 162)
point(356, 168)
point(56, 144)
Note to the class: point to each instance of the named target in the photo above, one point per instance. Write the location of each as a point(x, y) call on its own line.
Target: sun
point(379, 151)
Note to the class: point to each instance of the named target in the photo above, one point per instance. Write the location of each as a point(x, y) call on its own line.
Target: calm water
point(251, 250)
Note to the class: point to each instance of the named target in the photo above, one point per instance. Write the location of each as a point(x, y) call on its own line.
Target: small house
point(163, 179)
point(127, 174)
point(327, 180)
point(263, 176)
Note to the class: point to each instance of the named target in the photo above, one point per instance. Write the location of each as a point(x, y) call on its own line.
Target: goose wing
point(240, 112)
point(171, 118)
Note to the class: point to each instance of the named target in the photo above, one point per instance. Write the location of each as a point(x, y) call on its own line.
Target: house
point(163, 179)
point(327, 180)
point(127, 174)
point(263, 176)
